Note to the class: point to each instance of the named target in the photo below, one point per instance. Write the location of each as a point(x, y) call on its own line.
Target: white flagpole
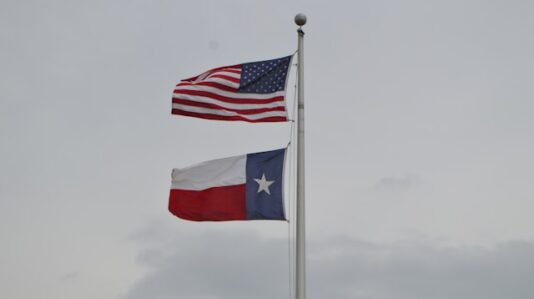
point(300, 20)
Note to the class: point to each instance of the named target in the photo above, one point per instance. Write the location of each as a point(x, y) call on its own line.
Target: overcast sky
point(419, 125)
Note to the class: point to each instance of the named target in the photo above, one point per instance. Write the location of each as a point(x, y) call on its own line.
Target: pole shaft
point(301, 232)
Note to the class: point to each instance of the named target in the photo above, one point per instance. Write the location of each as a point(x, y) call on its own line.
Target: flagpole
point(300, 273)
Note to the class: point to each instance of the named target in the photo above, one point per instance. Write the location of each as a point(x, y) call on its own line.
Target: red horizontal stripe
point(212, 71)
point(227, 78)
point(240, 111)
point(232, 71)
point(210, 84)
point(228, 99)
point(213, 204)
point(231, 118)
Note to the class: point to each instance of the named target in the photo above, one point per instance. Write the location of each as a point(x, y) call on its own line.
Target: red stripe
point(235, 117)
point(210, 84)
point(213, 70)
point(232, 71)
point(227, 78)
point(227, 99)
point(217, 107)
point(213, 204)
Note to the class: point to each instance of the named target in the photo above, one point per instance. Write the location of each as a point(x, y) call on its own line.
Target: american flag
point(252, 92)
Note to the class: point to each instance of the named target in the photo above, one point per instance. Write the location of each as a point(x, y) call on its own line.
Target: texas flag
point(246, 187)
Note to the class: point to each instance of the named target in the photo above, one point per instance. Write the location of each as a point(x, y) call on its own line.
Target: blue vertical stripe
point(260, 204)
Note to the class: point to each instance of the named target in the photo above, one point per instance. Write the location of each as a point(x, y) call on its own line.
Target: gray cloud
point(69, 276)
point(214, 265)
point(405, 270)
point(397, 182)
point(220, 264)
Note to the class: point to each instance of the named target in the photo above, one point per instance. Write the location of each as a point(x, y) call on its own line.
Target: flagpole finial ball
point(300, 19)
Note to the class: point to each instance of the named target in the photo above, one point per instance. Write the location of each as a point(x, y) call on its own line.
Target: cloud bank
point(221, 264)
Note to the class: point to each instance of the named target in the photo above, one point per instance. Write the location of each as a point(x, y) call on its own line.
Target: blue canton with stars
point(265, 203)
point(264, 76)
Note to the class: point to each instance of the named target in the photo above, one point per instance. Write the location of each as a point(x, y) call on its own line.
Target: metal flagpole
point(300, 20)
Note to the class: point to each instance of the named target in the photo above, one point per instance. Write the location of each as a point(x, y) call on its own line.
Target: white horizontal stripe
point(221, 172)
point(222, 81)
point(228, 113)
point(208, 73)
point(209, 100)
point(214, 80)
point(228, 94)
point(229, 74)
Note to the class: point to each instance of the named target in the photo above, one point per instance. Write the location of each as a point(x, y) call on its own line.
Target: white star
point(263, 184)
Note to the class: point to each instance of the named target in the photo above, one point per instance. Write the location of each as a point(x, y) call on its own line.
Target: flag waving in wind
point(251, 92)
point(247, 187)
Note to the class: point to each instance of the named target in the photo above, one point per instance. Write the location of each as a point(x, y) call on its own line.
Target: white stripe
point(229, 74)
point(236, 95)
point(222, 81)
point(208, 73)
point(215, 80)
point(221, 172)
point(229, 113)
point(201, 99)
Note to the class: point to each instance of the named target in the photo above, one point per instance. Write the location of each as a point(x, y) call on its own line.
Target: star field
point(264, 76)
